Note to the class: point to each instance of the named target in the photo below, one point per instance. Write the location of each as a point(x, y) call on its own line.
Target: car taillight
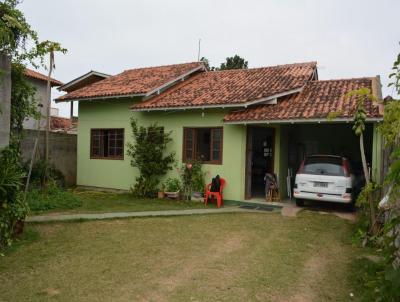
point(301, 168)
point(295, 186)
point(349, 190)
point(346, 168)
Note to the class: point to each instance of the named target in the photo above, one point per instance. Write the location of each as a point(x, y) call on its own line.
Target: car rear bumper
point(322, 197)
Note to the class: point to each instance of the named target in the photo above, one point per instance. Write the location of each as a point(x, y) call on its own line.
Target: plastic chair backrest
point(222, 183)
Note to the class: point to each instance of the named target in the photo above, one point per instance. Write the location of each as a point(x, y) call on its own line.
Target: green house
point(240, 123)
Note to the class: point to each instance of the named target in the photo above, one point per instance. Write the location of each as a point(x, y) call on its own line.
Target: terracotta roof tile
point(315, 101)
point(39, 76)
point(133, 81)
point(236, 86)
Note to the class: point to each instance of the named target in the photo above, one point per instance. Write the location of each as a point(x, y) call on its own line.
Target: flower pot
point(161, 195)
point(197, 196)
point(173, 195)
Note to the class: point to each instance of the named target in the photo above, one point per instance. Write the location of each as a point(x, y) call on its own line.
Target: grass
point(74, 201)
point(225, 257)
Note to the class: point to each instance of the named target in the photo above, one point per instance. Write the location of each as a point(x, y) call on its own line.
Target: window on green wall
point(203, 144)
point(107, 143)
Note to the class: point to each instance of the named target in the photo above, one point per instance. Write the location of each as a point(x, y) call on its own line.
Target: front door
point(259, 159)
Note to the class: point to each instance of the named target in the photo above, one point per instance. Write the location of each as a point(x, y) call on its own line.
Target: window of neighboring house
point(107, 143)
point(203, 144)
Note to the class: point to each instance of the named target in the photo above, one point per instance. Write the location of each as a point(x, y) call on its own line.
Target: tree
point(235, 62)
point(49, 47)
point(362, 95)
point(148, 155)
point(19, 42)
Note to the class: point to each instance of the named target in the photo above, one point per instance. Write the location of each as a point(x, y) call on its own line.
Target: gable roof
point(84, 80)
point(314, 102)
point(140, 81)
point(232, 88)
point(39, 76)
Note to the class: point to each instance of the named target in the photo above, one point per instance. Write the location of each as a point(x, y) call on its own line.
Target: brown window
point(107, 143)
point(203, 144)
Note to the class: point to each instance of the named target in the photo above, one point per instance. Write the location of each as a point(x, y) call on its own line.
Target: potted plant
point(198, 182)
point(172, 187)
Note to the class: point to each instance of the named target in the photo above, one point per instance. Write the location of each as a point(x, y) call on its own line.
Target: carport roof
point(314, 102)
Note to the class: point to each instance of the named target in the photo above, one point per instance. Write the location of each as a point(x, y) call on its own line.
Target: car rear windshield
point(323, 165)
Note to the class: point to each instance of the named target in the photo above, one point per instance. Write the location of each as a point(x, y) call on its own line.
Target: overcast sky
point(347, 38)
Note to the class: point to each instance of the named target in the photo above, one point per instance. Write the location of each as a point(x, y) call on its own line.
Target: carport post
point(377, 148)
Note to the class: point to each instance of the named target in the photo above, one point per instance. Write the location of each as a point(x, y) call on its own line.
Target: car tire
point(299, 202)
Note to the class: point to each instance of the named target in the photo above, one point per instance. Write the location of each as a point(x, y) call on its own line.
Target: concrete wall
point(5, 100)
point(62, 152)
point(41, 97)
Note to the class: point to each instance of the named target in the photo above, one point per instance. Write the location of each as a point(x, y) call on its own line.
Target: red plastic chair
point(217, 195)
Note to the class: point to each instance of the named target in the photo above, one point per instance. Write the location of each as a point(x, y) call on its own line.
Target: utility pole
point(198, 53)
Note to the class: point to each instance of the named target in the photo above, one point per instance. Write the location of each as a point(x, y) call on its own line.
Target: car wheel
point(299, 202)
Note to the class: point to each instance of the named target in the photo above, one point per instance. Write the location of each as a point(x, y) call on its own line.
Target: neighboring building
point(39, 81)
point(240, 123)
point(62, 137)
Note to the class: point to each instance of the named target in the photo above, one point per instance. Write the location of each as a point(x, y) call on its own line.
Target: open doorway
point(259, 159)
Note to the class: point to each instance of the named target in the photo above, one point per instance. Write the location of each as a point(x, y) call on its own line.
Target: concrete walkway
point(95, 216)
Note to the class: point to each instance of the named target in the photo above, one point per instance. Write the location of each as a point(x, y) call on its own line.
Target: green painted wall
point(118, 174)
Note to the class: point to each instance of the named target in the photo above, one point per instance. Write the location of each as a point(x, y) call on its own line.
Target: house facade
point(39, 81)
point(240, 123)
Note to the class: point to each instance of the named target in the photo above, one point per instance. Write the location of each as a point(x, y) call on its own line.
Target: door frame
point(249, 155)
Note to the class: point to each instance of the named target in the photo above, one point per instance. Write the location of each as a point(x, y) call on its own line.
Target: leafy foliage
point(38, 174)
point(15, 32)
point(192, 178)
point(15, 37)
point(172, 185)
point(56, 198)
point(148, 155)
point(235, 62)
point(23, 102)
point(383, 282)
point(12, 206)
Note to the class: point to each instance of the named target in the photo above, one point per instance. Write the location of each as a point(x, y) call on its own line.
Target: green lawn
point(94, 201)
point(226, 257)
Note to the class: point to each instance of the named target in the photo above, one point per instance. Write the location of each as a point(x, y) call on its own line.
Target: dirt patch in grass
point(312, 275)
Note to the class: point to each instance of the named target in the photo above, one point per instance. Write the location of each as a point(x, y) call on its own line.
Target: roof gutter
point(302, 121)
point(148, 94)
point(267, 100)
point(101, 97)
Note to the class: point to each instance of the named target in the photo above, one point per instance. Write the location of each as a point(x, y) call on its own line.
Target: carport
point(300, 140)
point(280, 135)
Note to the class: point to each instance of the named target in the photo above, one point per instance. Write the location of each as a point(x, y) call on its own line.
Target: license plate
point(320, 184)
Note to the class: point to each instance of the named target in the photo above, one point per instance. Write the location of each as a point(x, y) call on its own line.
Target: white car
point(326, 178)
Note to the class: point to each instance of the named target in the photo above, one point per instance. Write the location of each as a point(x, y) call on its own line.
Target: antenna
point(198, 53)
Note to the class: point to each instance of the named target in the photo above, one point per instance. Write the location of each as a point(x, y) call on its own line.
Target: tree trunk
point(363, 159)
point(48, 111)
point(368, 181)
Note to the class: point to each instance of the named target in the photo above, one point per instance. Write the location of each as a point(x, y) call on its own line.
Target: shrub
point(192, 178)
point(148, 155)
point(56, 198)
point(38, 174)
point(12, 205)
point(172, 185)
